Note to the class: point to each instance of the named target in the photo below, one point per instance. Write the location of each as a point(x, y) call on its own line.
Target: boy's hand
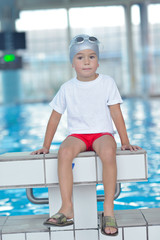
point(130, 147)
point(43, 150)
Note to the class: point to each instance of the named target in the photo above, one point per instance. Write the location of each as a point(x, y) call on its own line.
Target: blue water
point(22, 128)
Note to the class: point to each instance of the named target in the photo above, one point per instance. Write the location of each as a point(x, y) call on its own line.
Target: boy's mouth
point(86, 69)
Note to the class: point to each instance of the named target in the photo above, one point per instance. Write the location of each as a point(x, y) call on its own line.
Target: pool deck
point(143, 224)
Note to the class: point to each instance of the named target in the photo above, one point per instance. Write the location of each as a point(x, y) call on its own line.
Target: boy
point(92, 100)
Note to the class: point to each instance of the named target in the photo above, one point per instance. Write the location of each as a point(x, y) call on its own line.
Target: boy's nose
point(86, 60)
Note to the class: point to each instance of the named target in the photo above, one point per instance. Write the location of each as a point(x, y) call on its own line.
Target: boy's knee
point(108, 155)
point(64, 152)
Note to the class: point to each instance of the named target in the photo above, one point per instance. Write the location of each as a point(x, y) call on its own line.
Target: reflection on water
point(22, 128)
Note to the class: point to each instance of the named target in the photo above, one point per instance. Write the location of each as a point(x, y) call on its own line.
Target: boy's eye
point(92, 57)
point(79, 58)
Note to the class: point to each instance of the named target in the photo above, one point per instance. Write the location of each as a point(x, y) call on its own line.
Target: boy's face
point(85, 64)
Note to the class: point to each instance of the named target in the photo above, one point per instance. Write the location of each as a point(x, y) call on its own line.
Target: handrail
point(35, 200)
point(100, 198)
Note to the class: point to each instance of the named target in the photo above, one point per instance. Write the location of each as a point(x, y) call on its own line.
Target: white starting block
point(22, 170)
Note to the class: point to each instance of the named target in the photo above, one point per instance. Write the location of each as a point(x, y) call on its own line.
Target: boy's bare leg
point(68, 150)
point(105, 147)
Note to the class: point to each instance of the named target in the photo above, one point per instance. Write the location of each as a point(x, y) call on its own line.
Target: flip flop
point(61, 220)
point(108, 221)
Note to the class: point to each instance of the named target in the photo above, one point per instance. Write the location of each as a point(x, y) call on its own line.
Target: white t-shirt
point(87, 104)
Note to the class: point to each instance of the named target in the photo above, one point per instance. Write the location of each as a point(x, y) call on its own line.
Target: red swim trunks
point(88, 139)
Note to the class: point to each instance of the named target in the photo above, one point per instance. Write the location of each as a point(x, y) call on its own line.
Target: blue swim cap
point(82, 42)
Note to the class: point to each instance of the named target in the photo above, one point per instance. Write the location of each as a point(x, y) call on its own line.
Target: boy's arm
point(118, 120)
point(50, 132)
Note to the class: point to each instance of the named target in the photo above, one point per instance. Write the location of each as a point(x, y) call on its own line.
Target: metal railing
point(35, 200)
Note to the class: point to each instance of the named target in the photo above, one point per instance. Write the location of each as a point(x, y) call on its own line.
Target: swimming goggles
point(80, 39)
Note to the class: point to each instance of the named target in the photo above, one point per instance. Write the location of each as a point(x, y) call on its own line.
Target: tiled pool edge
point(143, 224)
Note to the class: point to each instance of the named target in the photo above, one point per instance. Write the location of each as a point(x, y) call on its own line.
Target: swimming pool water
point(22, 128)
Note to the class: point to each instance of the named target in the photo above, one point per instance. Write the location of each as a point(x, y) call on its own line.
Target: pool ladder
point(35, 200)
